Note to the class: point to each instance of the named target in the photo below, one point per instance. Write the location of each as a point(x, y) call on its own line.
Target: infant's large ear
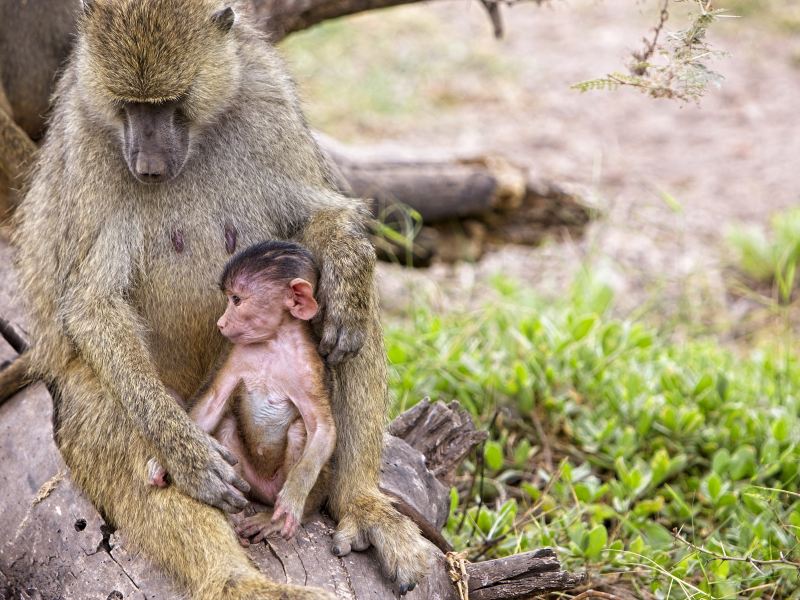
point(302, 304)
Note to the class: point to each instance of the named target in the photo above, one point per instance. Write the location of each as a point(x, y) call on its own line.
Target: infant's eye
point(236, 300)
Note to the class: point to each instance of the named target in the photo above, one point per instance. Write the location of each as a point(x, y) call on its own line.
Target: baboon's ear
point(87, 6)
point(222, 18)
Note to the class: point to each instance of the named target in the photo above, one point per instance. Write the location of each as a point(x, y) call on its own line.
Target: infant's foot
point(156, 474)
point(257, 528)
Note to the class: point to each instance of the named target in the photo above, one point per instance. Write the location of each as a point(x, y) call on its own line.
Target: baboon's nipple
point(230, 238)
point(177, 240)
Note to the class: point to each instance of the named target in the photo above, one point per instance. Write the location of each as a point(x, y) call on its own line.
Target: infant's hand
point(291, 515)
point(156, 474)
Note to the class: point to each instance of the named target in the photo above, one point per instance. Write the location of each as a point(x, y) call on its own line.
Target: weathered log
point(14, 335)
point(282, 17)
point(57, 546)
point(470, 201)
point(519, 575)
point(443, 433)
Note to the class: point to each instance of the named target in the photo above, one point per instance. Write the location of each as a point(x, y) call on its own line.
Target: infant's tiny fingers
point(279, 512)
point(289, 527)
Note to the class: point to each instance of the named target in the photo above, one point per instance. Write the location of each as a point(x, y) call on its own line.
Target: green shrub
point(648, 437)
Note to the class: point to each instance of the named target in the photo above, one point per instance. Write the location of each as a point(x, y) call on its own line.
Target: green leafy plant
point(672, 469)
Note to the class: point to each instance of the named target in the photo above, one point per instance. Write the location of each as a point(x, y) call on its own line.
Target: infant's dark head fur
point(270, 262)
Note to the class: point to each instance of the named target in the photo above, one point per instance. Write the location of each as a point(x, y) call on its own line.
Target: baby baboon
point(267, 402)
point(175, 138)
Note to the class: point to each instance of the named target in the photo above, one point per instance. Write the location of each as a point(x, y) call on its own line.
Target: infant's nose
point(221, 323)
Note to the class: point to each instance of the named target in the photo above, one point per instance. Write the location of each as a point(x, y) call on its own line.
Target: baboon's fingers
point(330, 337)
point(235, 499)
point(341, 344)
point(337, 356)
point(237, 482)
point(348, 537)
point(225, 452)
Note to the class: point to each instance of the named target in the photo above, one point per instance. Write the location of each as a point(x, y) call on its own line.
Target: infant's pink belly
point(263, 488)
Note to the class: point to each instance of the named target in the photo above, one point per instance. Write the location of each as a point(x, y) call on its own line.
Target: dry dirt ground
point(732, 158)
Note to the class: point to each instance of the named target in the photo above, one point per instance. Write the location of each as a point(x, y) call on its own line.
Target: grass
point(769, 258)
point(783, 15)
point(641, 439)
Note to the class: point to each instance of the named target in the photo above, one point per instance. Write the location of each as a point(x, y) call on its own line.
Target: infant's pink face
point(254, 313)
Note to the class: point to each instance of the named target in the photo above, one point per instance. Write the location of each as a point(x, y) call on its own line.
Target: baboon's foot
point(404, 554)
point(257, 528)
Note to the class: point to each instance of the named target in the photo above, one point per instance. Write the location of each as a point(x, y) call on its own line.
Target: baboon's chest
point(177, 285)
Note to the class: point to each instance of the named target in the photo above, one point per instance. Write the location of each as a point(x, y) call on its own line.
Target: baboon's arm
point(337, 238)
point(108, 334)
point(213, 402)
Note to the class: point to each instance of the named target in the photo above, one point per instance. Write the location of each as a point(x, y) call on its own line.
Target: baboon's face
point(155, 139)
point(255, 311)
point(157, 73)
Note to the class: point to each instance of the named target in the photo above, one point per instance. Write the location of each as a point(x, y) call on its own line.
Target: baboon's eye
point(236, 300)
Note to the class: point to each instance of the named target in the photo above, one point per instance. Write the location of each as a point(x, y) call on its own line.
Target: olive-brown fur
point(118, 312)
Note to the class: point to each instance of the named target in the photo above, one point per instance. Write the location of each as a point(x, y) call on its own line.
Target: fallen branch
point(14, 336)
point(279, 18)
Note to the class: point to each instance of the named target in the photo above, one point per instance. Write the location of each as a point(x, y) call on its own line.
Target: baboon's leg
point(189, 540)
point(359, 402)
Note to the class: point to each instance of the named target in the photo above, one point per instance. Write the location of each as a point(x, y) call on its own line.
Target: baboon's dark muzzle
point(156, 140)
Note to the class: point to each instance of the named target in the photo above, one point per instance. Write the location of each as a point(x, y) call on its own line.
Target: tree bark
point(279, 18)
point(59, 547)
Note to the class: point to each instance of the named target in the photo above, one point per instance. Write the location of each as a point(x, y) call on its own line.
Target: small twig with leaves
point(683, 74)
point(643, 57)
point(757, 563)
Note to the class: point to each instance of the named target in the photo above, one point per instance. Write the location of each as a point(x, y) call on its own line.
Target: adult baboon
point(176, 137)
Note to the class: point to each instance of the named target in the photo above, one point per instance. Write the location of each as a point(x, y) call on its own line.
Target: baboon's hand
point(343, 334)
point(205, 472)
